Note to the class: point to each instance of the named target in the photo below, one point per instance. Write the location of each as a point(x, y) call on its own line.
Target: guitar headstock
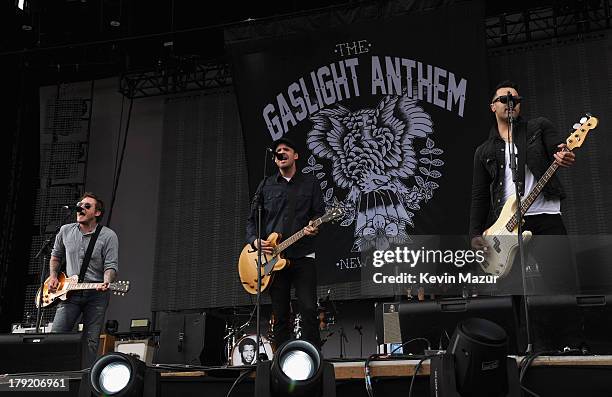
point(120, 287)
point(332, 214)
point(586, 124)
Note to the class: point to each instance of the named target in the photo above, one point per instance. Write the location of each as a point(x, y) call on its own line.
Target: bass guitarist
point(291, 200)
point(537, 144)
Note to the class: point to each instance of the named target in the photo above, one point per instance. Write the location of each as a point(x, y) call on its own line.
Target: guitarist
point(538, 144)
point(291, 200)
point(71, 244)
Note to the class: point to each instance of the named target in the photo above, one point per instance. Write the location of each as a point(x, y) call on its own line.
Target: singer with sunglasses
point(71, 246)
point(537, 144)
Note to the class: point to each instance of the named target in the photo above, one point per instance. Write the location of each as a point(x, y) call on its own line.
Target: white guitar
point(502, 236)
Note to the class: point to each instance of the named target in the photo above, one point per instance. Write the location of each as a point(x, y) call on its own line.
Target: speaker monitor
point(40, 352)
point(575, 321)
point(436, 320)
point(190, 338)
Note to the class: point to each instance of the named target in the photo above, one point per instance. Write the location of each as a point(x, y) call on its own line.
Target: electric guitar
point(502, 236)
point(247, 263)
point(67, 284)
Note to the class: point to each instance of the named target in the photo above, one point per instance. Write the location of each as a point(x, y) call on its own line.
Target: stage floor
point(548, 376)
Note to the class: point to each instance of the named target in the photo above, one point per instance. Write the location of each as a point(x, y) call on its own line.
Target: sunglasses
point(504, 99)
point(84, 205)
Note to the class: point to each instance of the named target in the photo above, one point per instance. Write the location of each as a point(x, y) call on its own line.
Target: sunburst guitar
point(68, 284)
point(502, 236)
point(247, 263)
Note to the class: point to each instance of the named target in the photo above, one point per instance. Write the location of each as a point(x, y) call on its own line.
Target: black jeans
point(302, 273)
point(549, 249)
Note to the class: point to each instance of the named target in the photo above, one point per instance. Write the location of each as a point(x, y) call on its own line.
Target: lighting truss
point(185, 76)
point(564, 19)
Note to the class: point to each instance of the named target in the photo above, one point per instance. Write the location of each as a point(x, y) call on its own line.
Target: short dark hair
point(502, 84)
point(99, 204)
point(246, 341)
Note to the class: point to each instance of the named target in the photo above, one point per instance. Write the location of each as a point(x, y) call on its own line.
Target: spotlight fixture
point(476, 363)
point(117, 374)
point(298, 369)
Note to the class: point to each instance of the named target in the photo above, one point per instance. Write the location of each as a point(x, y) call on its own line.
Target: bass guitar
point(248, 261)
point(502, 236)
point(67, 284)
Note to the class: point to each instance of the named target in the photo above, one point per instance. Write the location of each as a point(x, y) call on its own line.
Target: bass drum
point(243, 352)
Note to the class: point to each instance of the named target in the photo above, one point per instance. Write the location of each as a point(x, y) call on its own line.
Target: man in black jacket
point(291, 201)
point(537, 144)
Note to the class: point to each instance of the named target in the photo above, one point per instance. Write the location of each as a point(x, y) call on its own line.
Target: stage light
point(297, 369)
point(117, 374)
point(476, 363)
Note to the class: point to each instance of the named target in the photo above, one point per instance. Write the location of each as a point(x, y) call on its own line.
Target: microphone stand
point(258, 199)
point(518, 189)
point(342, 339)
point(41, 282)
point(359, 328)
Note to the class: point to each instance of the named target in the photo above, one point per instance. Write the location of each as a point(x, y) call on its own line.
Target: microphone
point(510, 99)
point(279, 156)
point(73, 208)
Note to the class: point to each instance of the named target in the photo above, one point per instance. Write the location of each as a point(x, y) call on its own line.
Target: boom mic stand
point(518, 189)
point(258, 199)
point(43, 263)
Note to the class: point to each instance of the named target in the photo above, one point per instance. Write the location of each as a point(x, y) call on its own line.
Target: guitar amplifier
point(142, 349)
point(386, 317)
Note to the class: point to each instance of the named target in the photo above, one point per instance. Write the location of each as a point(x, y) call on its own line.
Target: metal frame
point(564, 19)
point(188, 74)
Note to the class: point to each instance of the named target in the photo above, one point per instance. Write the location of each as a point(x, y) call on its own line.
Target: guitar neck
point(82, 286)
point(295, 237)
point(533, 195)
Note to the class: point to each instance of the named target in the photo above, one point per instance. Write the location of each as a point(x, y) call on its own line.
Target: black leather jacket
point(541, 140)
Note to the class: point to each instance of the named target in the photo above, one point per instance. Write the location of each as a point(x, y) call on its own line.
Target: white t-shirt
point(541, 205)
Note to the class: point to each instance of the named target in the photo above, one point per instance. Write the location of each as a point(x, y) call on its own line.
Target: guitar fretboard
point(79, 286)
point(285, 244)
point(532, 196)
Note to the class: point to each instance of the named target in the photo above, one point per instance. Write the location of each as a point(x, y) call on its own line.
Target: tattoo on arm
point(109, 275)
point(54, 265)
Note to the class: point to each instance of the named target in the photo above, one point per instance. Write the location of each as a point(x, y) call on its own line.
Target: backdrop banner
point(386, 114)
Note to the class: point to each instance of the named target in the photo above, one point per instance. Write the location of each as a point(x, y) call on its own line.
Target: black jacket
point(541, 140)
point(275, 193)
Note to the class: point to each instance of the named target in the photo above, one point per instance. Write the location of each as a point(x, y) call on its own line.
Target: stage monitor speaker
point(190, 338)
point(436, 320)
point(40, 352)
point(575, 321)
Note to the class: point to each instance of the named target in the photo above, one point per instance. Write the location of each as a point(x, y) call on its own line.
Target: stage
point(547, 376)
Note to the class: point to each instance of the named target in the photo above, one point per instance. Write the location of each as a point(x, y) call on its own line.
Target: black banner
point(386, 113)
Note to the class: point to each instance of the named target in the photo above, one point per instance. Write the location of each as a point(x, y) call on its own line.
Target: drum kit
point(240, 342)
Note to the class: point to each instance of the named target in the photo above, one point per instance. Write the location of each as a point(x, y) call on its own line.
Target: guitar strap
point(89, 252)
